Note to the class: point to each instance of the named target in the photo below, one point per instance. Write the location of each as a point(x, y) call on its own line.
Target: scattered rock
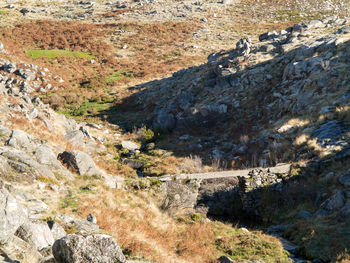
point(81, 226)
point(131, 146)
point(91, 218)
point(225, 259)
point(20, 139)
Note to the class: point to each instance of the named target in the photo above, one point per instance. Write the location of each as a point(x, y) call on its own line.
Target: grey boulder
point(129, 145)
point(336, 201)
point(82, 226)
point(20, 139)
point(345, 179)
point(79, 162)
point(12, 214)
point(164, 121)
point(57, 230)
point(19, 251)
point(97, 248)
point(21, 162)
point(45, 155)
point(36, 233)
point(75, 137)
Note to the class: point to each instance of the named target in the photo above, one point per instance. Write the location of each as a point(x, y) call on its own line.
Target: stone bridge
point(220, 194)
point(278, 169)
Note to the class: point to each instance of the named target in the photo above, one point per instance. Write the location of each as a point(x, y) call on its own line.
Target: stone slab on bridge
point(278, 169)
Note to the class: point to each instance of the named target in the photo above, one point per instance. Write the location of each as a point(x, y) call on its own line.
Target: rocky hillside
point(270, 100)
point(57, 204)
point(118, 117)
point(284, 98)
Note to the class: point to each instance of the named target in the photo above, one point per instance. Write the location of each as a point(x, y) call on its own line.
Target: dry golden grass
point(144, 232)
point(192, 164)
point(115, 167)
point(39, 130)
point(297, 122)
point(302, 139)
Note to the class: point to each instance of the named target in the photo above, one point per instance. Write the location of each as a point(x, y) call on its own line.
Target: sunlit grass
point(54, 53)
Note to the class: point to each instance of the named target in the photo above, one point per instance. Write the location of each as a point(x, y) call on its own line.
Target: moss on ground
point(239, 244)
point(88, 108)
point(118, 75)
point(55, 53)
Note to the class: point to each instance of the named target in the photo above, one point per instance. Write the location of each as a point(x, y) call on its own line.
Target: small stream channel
point(276, 231)
point(290, 247)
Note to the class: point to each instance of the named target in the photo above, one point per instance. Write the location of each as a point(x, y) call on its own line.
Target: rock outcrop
point(296, 72)
point(85, 249)
point(36, 233)
point(12, 214)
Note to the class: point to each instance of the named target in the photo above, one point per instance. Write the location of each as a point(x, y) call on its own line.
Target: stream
point(276, 231)
point(290, 247)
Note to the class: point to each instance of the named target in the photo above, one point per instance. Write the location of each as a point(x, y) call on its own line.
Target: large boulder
point(12, 214)
point(80, 225)
point(21, 162)
point(36, 233)
point(97, 248)
point(79, 162)
point(336, 201)
point(75, 137)
point(46, 157)
point(180, 196)
point(20, 139)
point(345, 179)
point(164, 121)
point(56, 229)
point(131, 146)
point(19, 251)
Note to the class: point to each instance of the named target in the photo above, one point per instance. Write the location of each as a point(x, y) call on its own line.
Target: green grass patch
point(3, 13)
point(47, 180)
point(88, 108)
point(241, 245)
point(70, 201)
point(54, 53)
point(119, 75)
